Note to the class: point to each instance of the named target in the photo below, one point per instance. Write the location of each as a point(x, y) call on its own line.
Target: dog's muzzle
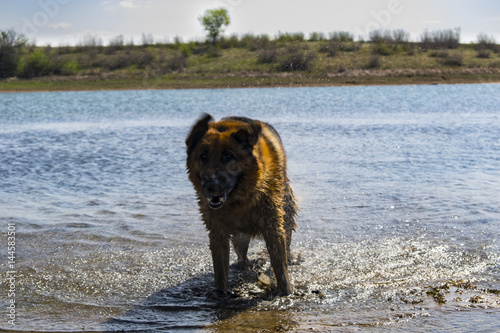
point(216, 189)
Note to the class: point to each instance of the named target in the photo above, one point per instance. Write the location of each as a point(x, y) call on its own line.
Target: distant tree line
point(284, 52)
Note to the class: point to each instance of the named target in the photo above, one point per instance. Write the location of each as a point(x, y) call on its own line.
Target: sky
point(69, 22)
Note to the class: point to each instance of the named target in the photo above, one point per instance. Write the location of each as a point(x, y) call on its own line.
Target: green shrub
point(387, 42)
point(62, 64)
point(453, 59)
point(193, 48)
point(341, 36)
point(166, 63)
point(83, 60)
point(227, 43)
point(140, 58)
point(198, 48)
point(374, 62)
point(447, 58)
point(294, 57)
point(115, 62)
point(185, 50)
point(384, 49)
point(438, 54)
point(290, 37)
point(34, 65)
point(316, 36)
point(349, 46)
point(267, 56)
point(175, 62)
point(410, 49)
point(330, 48)
point(484, 53)
point(256, 43)
point(69, 68)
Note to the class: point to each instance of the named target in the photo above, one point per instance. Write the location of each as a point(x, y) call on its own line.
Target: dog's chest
point(250, 222)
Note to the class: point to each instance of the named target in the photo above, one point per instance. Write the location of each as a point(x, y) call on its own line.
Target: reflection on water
point(398, 229)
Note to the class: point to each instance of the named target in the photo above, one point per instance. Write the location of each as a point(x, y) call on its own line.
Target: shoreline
point(251, 80)
point(251, 62)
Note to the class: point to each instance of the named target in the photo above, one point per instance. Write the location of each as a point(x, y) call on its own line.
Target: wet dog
point(238, 169)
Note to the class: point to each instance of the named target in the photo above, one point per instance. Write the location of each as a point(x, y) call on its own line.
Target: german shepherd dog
point(238, 168)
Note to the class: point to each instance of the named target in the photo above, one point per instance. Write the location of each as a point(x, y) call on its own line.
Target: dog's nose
point(213, 188)
point(211, 185)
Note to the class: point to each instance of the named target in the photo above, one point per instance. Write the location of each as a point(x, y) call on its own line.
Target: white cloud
point(135, 4)
point(60, 25)
point(107, 5)
point(128, 4)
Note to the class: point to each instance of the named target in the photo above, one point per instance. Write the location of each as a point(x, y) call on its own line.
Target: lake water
point(399, 228)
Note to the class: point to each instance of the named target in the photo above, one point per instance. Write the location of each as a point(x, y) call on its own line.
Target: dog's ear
point(197, 132)
point(248, 135)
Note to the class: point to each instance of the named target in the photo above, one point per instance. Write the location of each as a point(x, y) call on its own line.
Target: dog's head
point(220, 157)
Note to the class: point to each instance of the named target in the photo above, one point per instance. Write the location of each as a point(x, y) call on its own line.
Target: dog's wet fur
point(238, 168)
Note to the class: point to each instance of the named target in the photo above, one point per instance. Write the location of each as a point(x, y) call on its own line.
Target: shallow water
point(399, 193)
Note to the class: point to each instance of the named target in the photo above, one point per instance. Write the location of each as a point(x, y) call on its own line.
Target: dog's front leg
point(240, 244)
point(276, 246)
point(219, 245)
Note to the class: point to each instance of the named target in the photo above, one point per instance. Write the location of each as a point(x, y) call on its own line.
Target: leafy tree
point(213, 20)
point(10, 49)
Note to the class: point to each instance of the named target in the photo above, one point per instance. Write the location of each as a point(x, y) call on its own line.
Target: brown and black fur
point(238, 168)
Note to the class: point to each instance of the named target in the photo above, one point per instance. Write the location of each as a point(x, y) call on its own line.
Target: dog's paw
point(218, 294)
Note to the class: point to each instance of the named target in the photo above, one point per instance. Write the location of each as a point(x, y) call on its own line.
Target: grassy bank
point(247, 80)
point(259, 63)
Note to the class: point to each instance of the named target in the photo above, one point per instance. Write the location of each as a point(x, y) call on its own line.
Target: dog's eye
point(227, 156)
point(204, 157)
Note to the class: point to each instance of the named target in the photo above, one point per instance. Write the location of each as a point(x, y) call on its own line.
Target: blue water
point(399, 190)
